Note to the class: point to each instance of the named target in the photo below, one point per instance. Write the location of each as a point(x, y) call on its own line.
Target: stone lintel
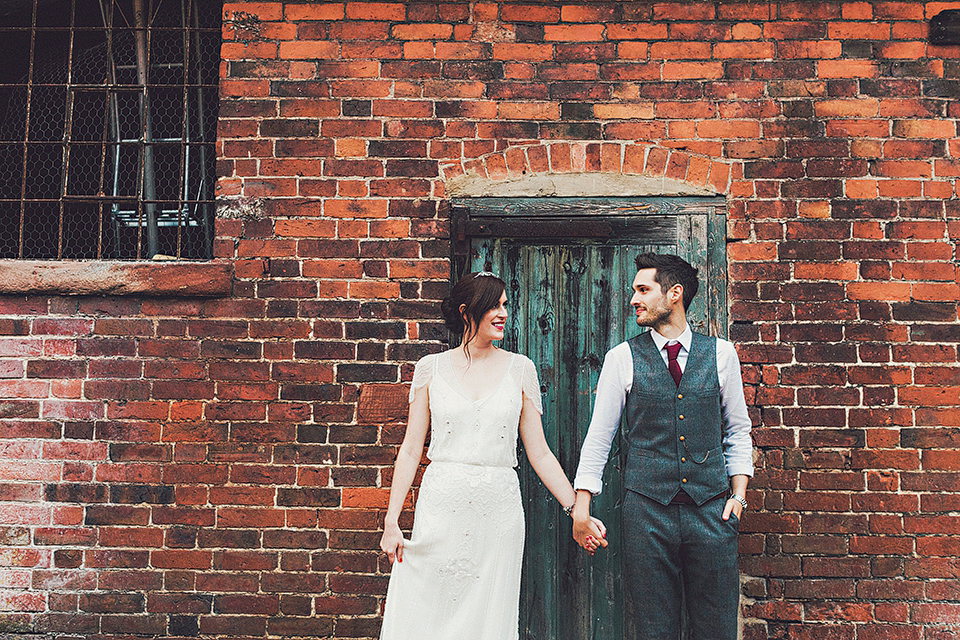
point(115, 278)
point(565, 185)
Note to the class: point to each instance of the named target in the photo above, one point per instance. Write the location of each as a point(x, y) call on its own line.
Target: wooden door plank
point(613, 271)
point(540, 585)
point(692, 246)
point(573, 327)
point(716, 272)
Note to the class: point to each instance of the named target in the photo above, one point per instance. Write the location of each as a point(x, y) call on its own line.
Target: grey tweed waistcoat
point(674, 434)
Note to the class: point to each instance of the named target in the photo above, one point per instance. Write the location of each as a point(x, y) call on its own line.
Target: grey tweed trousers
point(681, 553)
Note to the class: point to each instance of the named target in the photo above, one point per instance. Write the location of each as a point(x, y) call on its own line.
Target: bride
point(458, 576)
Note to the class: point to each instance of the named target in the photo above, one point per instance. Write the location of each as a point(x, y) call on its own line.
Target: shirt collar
point(685, 339)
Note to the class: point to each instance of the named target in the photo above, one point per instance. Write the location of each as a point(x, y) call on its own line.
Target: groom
point(689, 457)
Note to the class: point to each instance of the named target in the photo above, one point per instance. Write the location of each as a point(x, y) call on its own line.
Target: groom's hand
point(588, 532)
point(733, 507)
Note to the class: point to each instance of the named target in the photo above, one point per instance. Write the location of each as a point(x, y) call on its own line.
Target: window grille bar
point(65, 164)
point(26, 133)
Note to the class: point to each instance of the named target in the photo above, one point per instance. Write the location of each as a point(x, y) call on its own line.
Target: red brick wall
point(180, 466)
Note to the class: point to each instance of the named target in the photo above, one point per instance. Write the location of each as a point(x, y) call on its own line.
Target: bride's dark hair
point(478, 292)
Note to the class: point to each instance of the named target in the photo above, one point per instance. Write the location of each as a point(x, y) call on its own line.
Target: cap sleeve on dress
point(422, 374)
point(531, 385)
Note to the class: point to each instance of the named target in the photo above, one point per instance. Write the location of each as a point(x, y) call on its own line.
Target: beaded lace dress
point(460, 575)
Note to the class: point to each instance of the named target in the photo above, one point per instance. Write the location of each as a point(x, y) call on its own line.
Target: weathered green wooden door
point(569, 265)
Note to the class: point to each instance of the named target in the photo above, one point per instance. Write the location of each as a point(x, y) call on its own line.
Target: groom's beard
point(654, 316)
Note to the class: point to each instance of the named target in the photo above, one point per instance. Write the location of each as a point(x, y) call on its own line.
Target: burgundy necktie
point(672, 364)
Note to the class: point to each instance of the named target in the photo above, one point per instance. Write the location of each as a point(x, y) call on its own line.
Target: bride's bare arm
point(546, 466)
point(404, 470)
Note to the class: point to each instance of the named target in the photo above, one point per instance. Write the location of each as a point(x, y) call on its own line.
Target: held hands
point(589, 533)
point(391, 542)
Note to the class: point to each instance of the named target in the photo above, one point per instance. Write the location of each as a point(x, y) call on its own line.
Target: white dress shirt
point(616, 380)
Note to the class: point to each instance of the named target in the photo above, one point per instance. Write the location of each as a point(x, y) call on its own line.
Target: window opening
point(108, 114)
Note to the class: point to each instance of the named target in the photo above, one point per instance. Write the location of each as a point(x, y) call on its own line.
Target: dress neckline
point(458, 386)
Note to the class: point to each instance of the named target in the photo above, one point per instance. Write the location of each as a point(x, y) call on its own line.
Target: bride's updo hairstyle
point(478, 293)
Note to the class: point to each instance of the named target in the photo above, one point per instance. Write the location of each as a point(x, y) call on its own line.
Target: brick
point(681, 50)
point(900, 188)
point(691, 70)
point(287, 539)
point(729, 129)
point(920, 128)
point(530, 13)
point(686, 11)
point(180, 559)
point(83, 493)
point(290, 626)
point(116, 515)
point(812, 49)
point(743, 50)
point(573, 33)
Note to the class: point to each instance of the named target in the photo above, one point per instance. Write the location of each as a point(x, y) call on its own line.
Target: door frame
point(695, 222)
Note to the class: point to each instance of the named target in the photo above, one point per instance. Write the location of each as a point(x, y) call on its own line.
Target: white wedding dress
point(460, 575)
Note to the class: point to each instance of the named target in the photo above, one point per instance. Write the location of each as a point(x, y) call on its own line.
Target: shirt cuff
point(588, 484)
point(740, 470)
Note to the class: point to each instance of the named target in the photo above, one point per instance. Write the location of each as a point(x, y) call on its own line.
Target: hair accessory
point(485, 273)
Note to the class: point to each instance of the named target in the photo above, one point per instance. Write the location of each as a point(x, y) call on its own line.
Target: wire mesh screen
point(108, 114)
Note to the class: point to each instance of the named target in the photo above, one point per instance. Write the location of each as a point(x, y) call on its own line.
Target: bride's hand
point(391, 542)
point(591, 534)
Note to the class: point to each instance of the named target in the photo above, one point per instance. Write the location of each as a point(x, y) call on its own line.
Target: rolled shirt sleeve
point(737, 443)
point(616, 379)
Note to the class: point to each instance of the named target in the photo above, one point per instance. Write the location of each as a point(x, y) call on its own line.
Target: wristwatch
point(740, 499)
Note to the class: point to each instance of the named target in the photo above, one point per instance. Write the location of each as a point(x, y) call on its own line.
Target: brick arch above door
point(590, 168)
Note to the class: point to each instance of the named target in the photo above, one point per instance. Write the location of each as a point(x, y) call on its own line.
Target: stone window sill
point(115, 278)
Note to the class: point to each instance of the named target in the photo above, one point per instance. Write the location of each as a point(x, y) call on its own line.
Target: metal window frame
point(143, 210)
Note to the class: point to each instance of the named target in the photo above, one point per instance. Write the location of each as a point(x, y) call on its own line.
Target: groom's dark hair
point(671, 270)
